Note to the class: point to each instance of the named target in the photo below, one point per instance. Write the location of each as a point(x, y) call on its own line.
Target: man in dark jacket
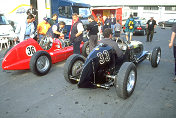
point(107, 23)
point(58, 30)
point(76, 33)
point(150, 26)
point(92, 28)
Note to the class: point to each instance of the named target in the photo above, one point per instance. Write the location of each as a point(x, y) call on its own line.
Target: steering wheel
point(46, 42)
point(122, 45)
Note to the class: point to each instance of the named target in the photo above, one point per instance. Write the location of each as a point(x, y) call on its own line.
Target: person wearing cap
point(42, 28)
point(150, 26)
point(25, 30)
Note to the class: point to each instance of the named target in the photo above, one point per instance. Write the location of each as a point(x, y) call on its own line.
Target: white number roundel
point(103, 57)
point(30, 50)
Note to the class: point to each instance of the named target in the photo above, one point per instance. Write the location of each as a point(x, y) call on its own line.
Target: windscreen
point(3, 20)
point(82, 12)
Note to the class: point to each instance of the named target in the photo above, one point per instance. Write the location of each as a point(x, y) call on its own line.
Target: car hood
point(7, 30)
point(18, 57)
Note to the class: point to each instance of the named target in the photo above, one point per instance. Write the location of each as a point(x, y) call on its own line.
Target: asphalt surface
point(25, 95)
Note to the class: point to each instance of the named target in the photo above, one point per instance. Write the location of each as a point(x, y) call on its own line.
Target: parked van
point(5, 28)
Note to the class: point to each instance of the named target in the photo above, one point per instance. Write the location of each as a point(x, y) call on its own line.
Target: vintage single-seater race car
point(38, 57)
point(103, 69)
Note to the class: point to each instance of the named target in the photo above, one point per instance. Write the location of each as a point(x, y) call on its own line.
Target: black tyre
point(72, 67)
point(85, 49)
point(40, 63)
point(156, 56)
point(126, 80)
point(7, 50)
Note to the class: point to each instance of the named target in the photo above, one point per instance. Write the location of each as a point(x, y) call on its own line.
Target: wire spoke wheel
point(131, 81)
point(76, 67)
point(42, 63)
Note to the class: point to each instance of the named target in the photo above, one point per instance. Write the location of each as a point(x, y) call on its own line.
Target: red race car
point(37, 57)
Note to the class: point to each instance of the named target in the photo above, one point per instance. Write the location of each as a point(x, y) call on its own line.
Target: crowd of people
point(31, 29)
point(108, 25)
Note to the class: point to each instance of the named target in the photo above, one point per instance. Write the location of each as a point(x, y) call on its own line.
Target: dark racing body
point(104, 69)
point(100, 61)
point(103, 60)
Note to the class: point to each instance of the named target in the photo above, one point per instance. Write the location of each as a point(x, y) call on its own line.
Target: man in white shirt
point(76, 33)
point(58, 30)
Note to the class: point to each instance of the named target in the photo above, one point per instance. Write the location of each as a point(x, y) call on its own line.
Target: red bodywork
point(18, 58)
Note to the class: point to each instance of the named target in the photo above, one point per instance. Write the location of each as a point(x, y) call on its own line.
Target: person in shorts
point(129, 27)
point(117, 29)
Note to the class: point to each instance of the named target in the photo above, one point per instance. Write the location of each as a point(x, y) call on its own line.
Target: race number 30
point(30, 50)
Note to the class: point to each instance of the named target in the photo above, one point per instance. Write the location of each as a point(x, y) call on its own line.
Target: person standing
point(113, 22)
point(130, 27)
point(76, 33)
point(173, 43)
point(117, 29)
point(42, 28)
point(99, 20)
point(107, 23)
point(150, 26)
point(52, 21)
point(32, 11)
point(25, 30)
point(92, 28)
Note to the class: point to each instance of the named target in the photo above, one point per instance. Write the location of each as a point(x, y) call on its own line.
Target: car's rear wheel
point(126, 80)
point(40, 63)
point(155, 56)
point(7, 50)
point(73, 67)
point(85, 49)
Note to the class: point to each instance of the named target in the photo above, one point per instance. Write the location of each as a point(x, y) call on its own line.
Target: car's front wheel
point(7, 51)
point(126, 80)
point(73, 67)
point(155, 56)
point(40, 63)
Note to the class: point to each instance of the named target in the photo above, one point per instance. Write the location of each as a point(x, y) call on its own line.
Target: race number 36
point(30, 50)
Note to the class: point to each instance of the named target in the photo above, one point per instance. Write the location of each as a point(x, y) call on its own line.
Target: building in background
point(107, 11)
point(161, 10)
